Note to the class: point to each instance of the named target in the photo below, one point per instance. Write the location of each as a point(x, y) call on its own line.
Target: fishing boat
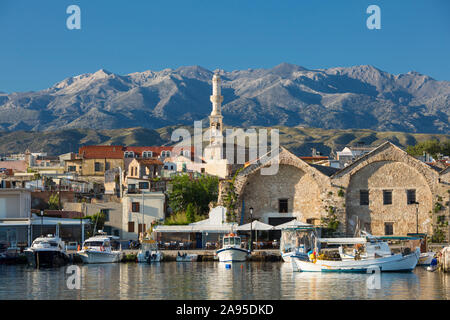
point(186, 257)
point(297, 238)
point(426, 258)
point(149, 252)
point(370, 254)
point(99, 249)
point(231, 249)
point(47, 251)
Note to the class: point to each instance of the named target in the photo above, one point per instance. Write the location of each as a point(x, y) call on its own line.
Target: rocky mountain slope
point(360, 97)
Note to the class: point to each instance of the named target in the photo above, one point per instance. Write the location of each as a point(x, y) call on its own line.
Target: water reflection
point(213, 280)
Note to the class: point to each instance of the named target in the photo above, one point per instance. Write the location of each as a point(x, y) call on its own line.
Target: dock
point(203, 255)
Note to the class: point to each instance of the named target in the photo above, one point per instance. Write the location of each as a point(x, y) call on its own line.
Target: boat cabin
point(231, 240)
point(49, 241)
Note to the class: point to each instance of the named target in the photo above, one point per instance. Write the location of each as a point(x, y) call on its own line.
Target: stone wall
point(396, 177)
point(313, 194)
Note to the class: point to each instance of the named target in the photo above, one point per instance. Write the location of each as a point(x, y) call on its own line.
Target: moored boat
point(149, 252)
point(98, 249)
point(47, 251)
point(186, 257)
point(426, 258)
point(372, 255)
point(231, 249)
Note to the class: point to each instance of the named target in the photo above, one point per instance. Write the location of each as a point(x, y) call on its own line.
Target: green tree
point(53, 202)
point(432, 147)
point(98, 220)
point(198, 192)
point(190, 213)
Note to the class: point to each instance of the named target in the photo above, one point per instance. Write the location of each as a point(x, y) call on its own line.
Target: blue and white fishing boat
point(231, 249)
point(374, 255)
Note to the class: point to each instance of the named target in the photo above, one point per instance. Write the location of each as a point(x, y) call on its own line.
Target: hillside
point(297, 140)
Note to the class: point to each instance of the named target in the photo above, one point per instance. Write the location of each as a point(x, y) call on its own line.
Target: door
point(198, 240)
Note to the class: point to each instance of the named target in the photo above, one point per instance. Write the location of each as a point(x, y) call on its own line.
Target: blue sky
point(37, 50)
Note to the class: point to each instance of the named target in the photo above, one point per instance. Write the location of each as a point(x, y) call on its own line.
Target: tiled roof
point(149, 162)
point(101, 152)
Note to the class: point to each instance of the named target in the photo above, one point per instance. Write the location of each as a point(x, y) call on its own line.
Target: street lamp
point(42, 220)
point(417, 216)
point(251, 229)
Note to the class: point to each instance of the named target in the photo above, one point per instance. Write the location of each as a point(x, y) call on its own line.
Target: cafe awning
point(255, 225)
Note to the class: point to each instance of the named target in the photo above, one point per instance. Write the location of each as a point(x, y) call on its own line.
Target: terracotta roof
point(149, 162)
point(117, 152)
point(101, 152)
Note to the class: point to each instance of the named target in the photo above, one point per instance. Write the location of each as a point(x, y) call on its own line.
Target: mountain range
point(358, 97)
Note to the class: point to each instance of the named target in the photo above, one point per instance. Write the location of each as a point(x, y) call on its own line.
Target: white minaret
point(215, 119)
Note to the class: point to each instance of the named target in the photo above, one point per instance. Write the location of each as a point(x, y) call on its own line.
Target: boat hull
point(46, 258)
point(287, 257)
point(232, 254)
point(425, 258)
point(99, 257)
point(394, 263)
point(149, 257)
point(187, 258)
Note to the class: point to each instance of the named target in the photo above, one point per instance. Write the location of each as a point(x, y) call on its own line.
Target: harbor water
point(213, 280)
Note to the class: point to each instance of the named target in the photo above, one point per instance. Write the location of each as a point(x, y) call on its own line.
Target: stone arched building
point(385, 192)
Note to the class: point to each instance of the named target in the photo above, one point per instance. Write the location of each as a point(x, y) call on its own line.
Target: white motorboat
point(187, 257)
point(377, 256)
point(98, 249)
point(426, 258)
point(48, 251)
point(149, 252)
point(231, 249)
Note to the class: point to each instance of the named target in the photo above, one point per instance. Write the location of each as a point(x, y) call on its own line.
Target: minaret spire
point(215, 119)
point(216, 97)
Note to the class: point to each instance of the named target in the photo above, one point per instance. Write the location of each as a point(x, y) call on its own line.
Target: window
point(131, 226)
point(131, 187)
point(147, 154)
point(143, 185)
point(186, 153)
point(388, 228)
point(364, 197)
point(140, 229)
point(387, 196)
point(135, 207)
point(97, 167)
point(165, 154)
point(129, 154)
point(106, 212)
point(411, 196)
point(107, 165)
point(72, 168)
point(202, 170)
point(282, 205)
